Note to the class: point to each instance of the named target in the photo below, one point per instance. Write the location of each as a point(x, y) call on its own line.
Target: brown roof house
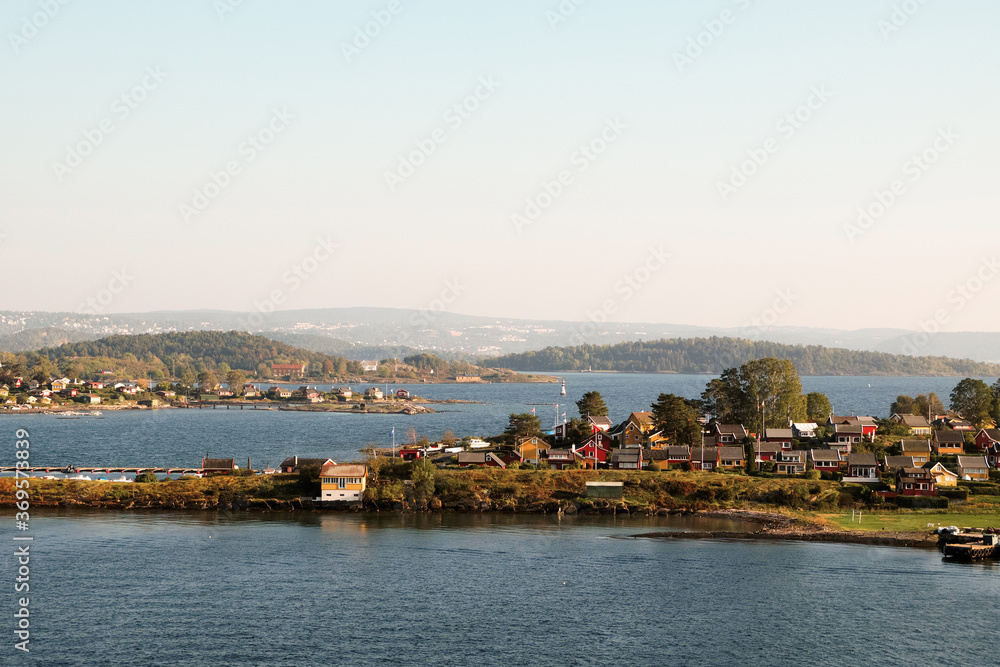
point(217, 466)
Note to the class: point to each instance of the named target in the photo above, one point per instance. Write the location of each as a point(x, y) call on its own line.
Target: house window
point(341, 482)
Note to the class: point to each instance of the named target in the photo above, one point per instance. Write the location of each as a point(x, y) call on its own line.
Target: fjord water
point(178, 438)
point(364, 589)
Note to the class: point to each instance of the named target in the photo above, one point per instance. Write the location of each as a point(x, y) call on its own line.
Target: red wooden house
point(767, 451)
point(779, 436)
point(826, 460)
point(704, 458)
point(559, 459)
point(411, 453)
point(915, 482)
point(596, 446)
point(987, 437)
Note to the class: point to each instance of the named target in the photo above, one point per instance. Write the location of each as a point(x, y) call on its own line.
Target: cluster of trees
point(926, 405)
point(712, 355)
point(425, 362)
point(977, 401)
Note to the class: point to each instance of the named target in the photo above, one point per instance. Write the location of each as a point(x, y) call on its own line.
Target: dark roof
point(218, 464)
point(704, 453)
point(853, 429)
point(559, 454)
point(913, 421)
point(914, 472)
point(972, 462)
point(731, 453)
point(993, 433)
point(767, 447)
point(679, 450)
point(778, 433)
point(472, 457)
point(861, 460)
point(922, 446)
point(626, 454)
point(656, 454)
point(825, 454)
point(944, 435)
point(899, 462)
point(735, 430)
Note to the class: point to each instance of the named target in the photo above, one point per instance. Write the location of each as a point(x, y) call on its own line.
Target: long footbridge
point(71, 469)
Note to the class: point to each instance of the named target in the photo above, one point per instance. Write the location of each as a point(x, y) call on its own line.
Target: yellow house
point(343, 482)
point(530, 449)
point(658, 441)
point(942, 476)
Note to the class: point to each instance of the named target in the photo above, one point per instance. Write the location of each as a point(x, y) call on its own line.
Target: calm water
point(328, 589)
point(183, 437)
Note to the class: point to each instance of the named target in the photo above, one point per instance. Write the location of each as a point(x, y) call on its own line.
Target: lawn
point(912, 521)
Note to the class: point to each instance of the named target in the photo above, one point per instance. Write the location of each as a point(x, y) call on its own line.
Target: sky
point(709, 163)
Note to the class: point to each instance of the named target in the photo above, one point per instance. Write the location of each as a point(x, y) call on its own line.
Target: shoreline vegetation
point(774, 508)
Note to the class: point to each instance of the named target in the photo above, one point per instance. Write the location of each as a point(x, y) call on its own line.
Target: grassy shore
point(795, 505)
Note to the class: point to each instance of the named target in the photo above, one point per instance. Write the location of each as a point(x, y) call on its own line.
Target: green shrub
point(922, 502)
point(146, 478)
point(953, 492)
point(981, 488)
point(813, 474)
point(653, 467)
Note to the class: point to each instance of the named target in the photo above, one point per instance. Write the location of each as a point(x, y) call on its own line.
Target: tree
point(223, 369)
point(207, 381)
point(423, 480)
point(592, 405)
point(328, 367)
point(235, 380)
point(973, 400)
point(677, 419)
point(818, 406)
point(448, 439)
point(522, 424)
point(719, 398)
point(762, 386)
point(903, 405)
point(263, 371)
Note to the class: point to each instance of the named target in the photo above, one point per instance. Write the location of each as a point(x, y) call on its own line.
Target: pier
point(970, 546)
point(69, 470)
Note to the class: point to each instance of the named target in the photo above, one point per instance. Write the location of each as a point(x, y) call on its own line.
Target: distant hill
point(365, 333)
point(713, 355)
point(164, 355)
point(33, 339)
point(237, 349)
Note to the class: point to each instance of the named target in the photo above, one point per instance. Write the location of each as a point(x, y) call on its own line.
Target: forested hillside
point(713, 355)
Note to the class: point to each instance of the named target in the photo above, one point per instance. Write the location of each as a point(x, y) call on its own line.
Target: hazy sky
point(688, 162)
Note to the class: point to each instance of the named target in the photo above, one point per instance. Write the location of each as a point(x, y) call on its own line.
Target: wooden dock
point(970, 552)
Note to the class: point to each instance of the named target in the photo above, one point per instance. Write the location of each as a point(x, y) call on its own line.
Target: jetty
point(969, 545)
